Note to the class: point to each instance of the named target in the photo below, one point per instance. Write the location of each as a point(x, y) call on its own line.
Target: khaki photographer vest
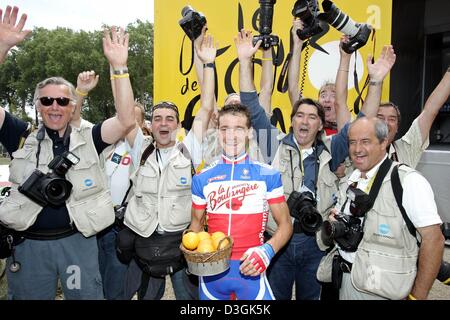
point(327, 184)
point(163, 199)
point(90, 206)
point(386, 259)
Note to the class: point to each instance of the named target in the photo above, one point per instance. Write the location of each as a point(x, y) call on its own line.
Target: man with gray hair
point(59, 213)
point(377, 257)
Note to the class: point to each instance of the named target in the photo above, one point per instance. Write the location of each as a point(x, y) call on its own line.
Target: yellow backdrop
point(172, 59)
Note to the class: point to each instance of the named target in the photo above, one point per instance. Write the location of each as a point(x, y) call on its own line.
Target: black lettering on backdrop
point(185, 86)
point(278, 59)
point(188, 118)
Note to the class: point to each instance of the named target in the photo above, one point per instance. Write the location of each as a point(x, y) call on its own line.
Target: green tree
point(63, 52)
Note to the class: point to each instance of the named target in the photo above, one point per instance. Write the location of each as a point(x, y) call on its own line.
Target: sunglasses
point(166, 105)
point(48, 101)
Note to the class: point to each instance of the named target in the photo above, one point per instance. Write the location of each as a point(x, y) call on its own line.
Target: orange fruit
point(190, 240)
point(216, 237)
point(203, 235)
point(205, 246)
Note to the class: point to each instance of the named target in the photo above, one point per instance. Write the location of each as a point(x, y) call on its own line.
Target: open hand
point(244, 45)
point(115, 47)
point(10, 33)
point(381, 67)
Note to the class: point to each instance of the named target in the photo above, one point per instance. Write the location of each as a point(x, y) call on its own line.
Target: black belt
point(51, 234)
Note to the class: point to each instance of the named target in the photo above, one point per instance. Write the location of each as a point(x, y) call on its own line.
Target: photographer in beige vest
point(377, 257)
point(59, 198)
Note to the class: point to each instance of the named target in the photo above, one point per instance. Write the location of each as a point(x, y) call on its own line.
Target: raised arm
point(198, 64)
point(294, 64)
point(266, 84)
point(10, 35)
point(206, 52)
point(265, 132)
point(434, 102)
point(86, 81)
point(115, 48)
point(377, 72)
point(246, 51)
point(342, 113)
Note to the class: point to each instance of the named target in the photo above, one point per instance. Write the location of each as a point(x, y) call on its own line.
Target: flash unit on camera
point(72, 158)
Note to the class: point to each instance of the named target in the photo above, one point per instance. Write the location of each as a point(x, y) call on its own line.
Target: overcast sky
point(85, 15)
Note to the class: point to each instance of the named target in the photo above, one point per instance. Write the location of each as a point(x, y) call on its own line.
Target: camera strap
point(398, 194)
point(359, 98)
point(41, 135)
point(377, 182)
point(316, 168)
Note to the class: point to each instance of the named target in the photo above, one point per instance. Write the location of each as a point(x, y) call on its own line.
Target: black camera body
point(52, 188)
point(306, 10)
point(302, 206)
point(265, 25)
point(192, 22)
point(358, 32)
point(268, 40)
point(359, 40)
point(347, 231)
point(360, 202)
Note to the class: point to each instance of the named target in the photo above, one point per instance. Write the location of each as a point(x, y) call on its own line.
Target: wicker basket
point(211, 263)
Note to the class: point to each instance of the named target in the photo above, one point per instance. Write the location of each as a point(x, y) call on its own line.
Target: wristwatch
point(375, 83)
point(120, 71)
point(208, 65)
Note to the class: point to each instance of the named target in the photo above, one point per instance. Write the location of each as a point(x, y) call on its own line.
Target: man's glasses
point(48, 101)
point(165, 104)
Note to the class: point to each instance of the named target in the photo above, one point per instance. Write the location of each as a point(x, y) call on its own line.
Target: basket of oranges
point(206, 254)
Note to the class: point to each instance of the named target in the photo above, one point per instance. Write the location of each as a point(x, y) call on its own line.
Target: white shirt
point(418, 200)
point(119, 164)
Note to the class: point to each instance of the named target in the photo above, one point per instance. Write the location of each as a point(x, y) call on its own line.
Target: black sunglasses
point(48, 101)
point(165, 104)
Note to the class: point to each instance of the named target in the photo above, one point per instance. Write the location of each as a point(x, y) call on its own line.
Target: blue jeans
point(73, 259)
point(296, 262)
point(111, 269)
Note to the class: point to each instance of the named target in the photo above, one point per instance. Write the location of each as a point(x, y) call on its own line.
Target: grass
point(3, 286)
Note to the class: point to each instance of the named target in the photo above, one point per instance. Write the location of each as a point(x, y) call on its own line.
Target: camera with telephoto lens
point(192, 22)
point(357, 32)
point(265, 25)
point(347, 231)
point(50, 188)
point(306, 10)
point(302, 206)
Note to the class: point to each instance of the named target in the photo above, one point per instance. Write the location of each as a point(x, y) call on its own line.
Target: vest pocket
point(180, 211)
point(141, 216)
point(21, 166)
point(87, 179)
point(179, 179)
point(383, 228)
point(389, 276)
point(147, 180)
point(93, 215)
point(18, 212)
